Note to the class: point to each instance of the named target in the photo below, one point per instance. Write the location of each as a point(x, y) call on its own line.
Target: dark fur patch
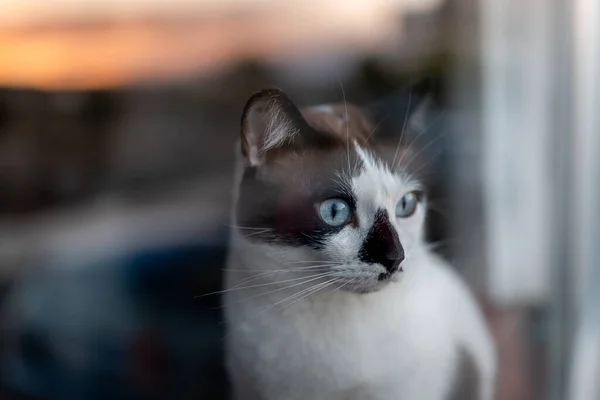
point(280, 201)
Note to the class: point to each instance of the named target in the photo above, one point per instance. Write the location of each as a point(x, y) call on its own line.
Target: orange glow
point(108, 54)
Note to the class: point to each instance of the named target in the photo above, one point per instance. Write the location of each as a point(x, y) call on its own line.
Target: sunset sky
point(104, 43)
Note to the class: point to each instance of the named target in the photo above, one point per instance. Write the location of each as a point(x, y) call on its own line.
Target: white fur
point(279, 128)
point(274, 128)
point(401, 341)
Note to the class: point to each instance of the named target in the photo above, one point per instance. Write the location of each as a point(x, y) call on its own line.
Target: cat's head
point(326, 193)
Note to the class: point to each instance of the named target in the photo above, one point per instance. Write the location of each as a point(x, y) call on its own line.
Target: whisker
point(270, 307)
point(295, 269)
point(266, 273)
point(436, 245)
point(258, 232)
point(262, 284)
point(342, 285)
point(445, 242)
point(418, 135)
point(343, 182)
point(282, 288)
point(247, 227)
point(253, 277)
point(423, 149)
point(440, 211)
point(425, 164)
point(374, 129)
point(308, 261)
point(359, 284)
point(347, 123)
point(403, 127)
point(314, 289)
point(292, 296)
point(302, 294)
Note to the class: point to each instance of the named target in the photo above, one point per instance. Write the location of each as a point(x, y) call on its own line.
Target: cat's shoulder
point(434, 272)
point(437, 285)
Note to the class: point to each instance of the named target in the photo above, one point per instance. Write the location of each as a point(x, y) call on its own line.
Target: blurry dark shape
point(99, 116)
point(64, 138)
point(3, 290)
point(34, 347)
point(246, 77)
point(6, 115)
point(233, 84)
point(379, 79)
point(100, 108)
point(173, 278)
point(150, 365)
point(439, 65)
point(122, 323)
point(10, 394)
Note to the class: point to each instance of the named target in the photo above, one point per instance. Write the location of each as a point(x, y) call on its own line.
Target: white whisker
point(373, 130)
point(266, 273)
point(247, 227)
point(284, 288)
point(417, 136)
point(403, 127)
point(294, 269)
point(304, 294)
point(321, 262)
point(347, 128)
point(423, 149)
point(263, 284)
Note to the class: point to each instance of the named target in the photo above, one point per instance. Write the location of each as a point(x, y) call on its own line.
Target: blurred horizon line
point(114, 53)
point(99, 47)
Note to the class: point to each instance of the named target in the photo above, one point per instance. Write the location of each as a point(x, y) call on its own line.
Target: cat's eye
point(407, 205)
point(334, 212)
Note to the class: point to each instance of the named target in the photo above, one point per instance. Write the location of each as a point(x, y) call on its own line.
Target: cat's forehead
point(380, 182)
point(342, 156)
point(348, 167)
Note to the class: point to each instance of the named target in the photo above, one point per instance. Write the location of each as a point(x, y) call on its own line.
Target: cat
point(331, 291)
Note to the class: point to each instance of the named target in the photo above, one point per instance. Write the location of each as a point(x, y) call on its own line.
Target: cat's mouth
point(367, 277)
point(381, 281)
point(387, 275)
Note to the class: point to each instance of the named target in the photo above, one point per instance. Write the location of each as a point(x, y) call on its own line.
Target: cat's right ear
point(270, 121)
point(408, 110)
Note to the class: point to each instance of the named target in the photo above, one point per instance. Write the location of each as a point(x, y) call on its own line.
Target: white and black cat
point(331, 291)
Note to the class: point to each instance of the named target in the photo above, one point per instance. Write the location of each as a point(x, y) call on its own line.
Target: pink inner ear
point(252, 132)
point(339, 119)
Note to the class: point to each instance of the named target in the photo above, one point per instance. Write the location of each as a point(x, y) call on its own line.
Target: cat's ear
point(338, 118)
point(270, 120)
point(408, 111)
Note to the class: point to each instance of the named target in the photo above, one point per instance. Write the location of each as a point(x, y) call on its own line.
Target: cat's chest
point(364, 347)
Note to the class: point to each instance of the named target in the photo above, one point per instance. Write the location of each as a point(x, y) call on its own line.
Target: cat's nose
point(391, 262)
point(382, 245)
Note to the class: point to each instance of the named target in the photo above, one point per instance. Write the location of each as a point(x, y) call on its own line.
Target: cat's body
point(317, 311)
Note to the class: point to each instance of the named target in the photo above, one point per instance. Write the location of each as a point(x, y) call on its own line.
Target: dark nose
point(382, 245)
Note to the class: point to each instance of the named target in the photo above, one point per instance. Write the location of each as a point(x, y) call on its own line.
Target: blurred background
point(117, 124)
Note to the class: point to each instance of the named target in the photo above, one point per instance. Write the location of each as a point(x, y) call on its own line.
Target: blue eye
point(407, 205)
point(334, 212)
